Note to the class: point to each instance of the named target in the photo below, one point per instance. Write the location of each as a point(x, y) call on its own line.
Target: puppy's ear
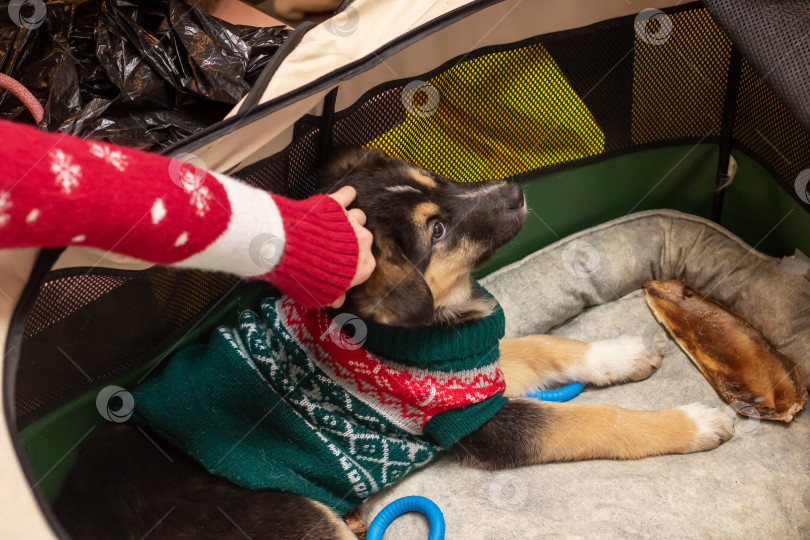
point(396, 294)
point(348, 160)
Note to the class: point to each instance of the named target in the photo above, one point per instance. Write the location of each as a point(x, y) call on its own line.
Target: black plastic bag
point(145, 74)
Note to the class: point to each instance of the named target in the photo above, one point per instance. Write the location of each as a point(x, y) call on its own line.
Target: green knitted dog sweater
point(289, 401)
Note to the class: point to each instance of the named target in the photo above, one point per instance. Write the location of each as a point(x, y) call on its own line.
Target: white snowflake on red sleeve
point(191, 178)
point(116, 158)
point(5, 205)
point(67, 174)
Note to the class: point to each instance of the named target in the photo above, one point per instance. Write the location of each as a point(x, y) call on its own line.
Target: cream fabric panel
point(20, 515)
point(360, 30)
point(15, 267)
point(77, 256)
point(262, 138)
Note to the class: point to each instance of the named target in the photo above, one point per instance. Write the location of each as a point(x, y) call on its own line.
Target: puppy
point(429, 234)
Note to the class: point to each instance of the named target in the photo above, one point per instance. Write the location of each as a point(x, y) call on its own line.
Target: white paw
point(713, 426)
point(616, 360)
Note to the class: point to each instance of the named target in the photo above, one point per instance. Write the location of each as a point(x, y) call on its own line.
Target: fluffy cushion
point(587, 287)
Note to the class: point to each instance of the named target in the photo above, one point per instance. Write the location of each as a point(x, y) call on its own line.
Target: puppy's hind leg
point(529, 432)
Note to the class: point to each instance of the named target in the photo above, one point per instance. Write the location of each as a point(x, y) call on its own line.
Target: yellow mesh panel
point(493, 117)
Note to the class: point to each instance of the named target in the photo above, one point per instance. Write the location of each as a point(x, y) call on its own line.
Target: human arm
point(59, 190)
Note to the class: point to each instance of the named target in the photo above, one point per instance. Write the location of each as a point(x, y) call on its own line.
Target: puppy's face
point(429, 234)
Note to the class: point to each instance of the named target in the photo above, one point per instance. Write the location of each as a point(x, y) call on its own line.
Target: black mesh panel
point(679, 85)
point(775, 37)
point(764, 127)
point(88, 328)
point(292, 171)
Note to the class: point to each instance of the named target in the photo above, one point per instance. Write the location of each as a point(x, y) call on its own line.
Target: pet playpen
point(600, 109)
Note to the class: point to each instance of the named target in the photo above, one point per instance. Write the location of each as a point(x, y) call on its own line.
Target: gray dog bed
point(587, 286)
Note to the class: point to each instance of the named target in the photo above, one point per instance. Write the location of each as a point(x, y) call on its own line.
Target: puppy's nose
point(514, 196)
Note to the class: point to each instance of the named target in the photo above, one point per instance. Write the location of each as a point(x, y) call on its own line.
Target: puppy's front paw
point(617, 360)
point(712, 425)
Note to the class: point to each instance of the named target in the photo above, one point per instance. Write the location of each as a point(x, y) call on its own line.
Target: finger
point(339, 302)
point(365, 267)
point(364, 238)
point(364, 272)
point(371, 264)
point(358, 216)
point(344, 196)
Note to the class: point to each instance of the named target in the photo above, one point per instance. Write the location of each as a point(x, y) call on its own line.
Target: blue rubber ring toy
point(569, 391)
point(413, 503)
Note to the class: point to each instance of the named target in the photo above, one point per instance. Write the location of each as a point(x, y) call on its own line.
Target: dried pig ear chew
point(737, 360)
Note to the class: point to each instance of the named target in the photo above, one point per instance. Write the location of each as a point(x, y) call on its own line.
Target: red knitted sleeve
point(320, 252)
point(59, 190)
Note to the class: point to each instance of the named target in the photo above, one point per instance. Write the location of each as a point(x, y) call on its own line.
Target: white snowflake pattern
point(5, 205)
point(116, 158)
point(191, 178)
point(67, 174)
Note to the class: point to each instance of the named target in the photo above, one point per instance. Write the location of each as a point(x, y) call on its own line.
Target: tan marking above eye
point(422, 212)
point(423, 179)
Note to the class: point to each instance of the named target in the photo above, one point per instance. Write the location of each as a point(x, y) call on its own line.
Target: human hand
point(365, 260)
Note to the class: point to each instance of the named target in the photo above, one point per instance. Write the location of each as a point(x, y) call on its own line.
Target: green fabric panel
point(562, 203)
point(759, 211)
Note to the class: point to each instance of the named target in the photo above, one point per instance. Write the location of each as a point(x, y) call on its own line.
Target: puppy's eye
point(439, 230)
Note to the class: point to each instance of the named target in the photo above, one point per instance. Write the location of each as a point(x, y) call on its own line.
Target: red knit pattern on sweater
point(412, 395)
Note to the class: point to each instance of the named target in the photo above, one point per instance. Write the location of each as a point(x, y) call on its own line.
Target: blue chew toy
point(413, 503)
point(569, 391)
